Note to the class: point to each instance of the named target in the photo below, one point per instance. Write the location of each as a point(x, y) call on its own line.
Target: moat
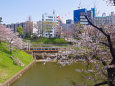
point(49, 74)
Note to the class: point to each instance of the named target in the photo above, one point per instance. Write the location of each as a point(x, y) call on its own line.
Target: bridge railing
point(44, 49)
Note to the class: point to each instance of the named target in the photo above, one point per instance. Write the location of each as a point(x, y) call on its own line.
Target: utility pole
point(28, 45)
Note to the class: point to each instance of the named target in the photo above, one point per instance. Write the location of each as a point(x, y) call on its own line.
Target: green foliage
point(20, 31)
point(50, 42)
point(28, 35)
point(34, 37)
point(7, 66)
point(76, 48)
point(54, 41)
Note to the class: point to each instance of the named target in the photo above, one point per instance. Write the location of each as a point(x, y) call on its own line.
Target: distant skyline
point(13, 11)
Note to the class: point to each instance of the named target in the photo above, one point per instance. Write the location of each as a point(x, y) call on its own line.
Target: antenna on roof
point(79, 5)
point(53, 11)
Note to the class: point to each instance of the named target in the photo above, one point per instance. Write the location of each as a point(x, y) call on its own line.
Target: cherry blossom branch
point(106, 35)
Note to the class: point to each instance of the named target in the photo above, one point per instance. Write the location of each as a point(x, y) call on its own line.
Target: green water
point(50, 74)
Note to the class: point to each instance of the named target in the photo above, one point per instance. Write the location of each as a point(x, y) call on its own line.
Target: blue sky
point(13, 11)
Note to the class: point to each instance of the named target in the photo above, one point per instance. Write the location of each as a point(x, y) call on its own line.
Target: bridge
point(45, 49)
point(42, 52)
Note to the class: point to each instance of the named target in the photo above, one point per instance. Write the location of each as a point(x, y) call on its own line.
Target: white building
point(53, 18)
point(105, 20)
point(50, 17)
point(35, 28)
point(39, 24)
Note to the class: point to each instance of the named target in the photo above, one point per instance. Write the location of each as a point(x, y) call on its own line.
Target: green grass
point(7, 67)
point(44, 42)
point(55, 41)
point(51, 41)
point(76, 48)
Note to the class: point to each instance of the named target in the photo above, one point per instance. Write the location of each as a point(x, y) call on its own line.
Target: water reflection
point(49, 74)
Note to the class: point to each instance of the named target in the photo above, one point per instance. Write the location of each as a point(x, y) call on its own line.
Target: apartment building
point(14, 27)
point(105, 20)
point(30, 27)
point(49, 22)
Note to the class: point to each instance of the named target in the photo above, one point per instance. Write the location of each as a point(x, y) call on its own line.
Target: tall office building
point(79, 15)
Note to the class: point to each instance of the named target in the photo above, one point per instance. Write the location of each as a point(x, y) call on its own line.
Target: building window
point(50, 16)
point(49, 19)
point(50, 34)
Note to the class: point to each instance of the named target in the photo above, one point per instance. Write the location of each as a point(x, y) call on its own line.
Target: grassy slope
point(7, 68)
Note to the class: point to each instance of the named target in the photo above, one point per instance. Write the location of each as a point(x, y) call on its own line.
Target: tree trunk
point(111, 74)
point(10, 49)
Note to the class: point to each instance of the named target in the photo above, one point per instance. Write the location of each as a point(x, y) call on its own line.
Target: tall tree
point(93, 52)
point(111, 67)
point(20, 31)
point(8, 36)
point(58, 31)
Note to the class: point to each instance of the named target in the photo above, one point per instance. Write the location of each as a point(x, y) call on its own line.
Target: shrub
point(55, 41)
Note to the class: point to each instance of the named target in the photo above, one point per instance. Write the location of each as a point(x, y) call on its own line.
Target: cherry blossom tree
point(93, 53)
point(111, 67)
point(8, 36)
point(58, 31)
point(102, 35)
